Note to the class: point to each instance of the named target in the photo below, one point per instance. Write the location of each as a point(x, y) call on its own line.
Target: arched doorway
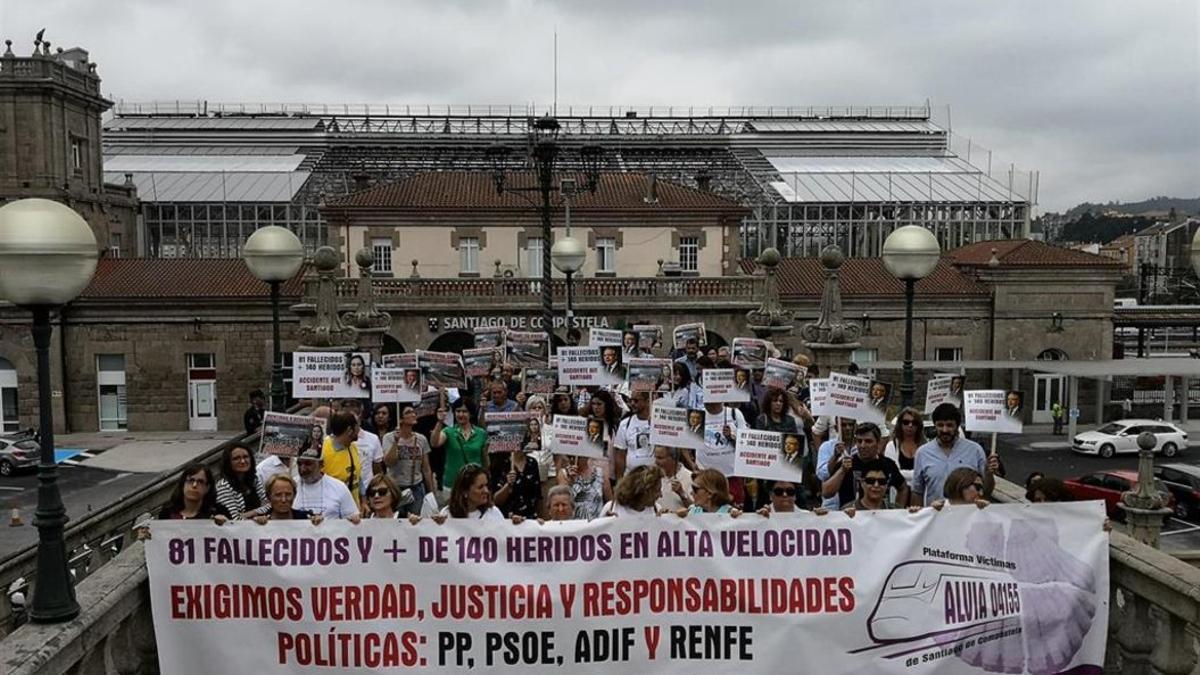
point(1048, 388)
point(391, 345)
point(454, 341)
point(715, 339)
point(9, 419)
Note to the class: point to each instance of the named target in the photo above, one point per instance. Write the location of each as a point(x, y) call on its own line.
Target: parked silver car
point(18, 451)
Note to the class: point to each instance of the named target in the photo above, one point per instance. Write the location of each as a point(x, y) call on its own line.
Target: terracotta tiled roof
point(475, 190)
point(862, 277)
point(134, 278)
point(1026, 253)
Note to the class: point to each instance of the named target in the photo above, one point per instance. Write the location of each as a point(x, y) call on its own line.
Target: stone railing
point(47, 68)
point(94, 539)
point(1154, 606)
point(591, 291)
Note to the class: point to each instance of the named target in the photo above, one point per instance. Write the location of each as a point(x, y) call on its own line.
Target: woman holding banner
point(710, 494)
point(239, 490)
point(470, 496)
point(637, 493)
point(383, 497)
point(963, 486)
point(406, 456)
point(465, 442)
point(281, 495)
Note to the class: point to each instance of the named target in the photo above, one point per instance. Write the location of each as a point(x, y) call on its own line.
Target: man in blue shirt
point(948, 451)
point(837, 445)
point(691, 353)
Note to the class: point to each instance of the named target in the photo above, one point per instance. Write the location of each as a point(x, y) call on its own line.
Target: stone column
point(326, 332)
point(367, 320)
point(770, 321)
point(1144, 509)
point(831, 338)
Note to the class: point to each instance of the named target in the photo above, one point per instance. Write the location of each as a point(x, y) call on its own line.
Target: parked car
point(18, 451)
point(1183, 480)
point(1108, 485)
point(1121, 436)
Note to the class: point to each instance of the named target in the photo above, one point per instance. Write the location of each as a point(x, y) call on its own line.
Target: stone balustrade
point(48, 69)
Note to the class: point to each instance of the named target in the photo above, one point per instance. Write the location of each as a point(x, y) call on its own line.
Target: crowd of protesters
point(384, 461)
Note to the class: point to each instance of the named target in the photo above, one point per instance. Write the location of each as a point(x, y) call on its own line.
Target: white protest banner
point(528, 349)
point(441, 369)
point(599, 337)
point(331, 375)
point(849, 397)
point(818, 396)
point(480, 361)
point(670, 426)
point(506, 432)
point(768, 455)
point(539, 380)
point(408, 360)
point(649, 337)
point(395, 385)
point(570, 435)
point(937, 392)
point(1010, 588)
point(612, 370)
point(780, 374)
point(648, 374)
point(489, 336)
point(578, 366)
point(721, 386)
point(428, 404)
point(750, 353)
point(993, 410)
point(957, 387)
point(289, 435)
point(689, 331)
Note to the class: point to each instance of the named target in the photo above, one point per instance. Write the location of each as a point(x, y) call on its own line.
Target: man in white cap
point(318, 493)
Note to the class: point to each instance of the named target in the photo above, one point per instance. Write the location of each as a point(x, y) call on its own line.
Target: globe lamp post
point(274, 255)
point(910, 253)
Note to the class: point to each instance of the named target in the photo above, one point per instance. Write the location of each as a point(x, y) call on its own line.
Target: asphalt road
point(83, 489)
point(1020, 459)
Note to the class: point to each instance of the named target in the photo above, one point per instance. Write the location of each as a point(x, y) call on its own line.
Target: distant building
point(1163, 255)
point(1123, 249)
point(50, 107)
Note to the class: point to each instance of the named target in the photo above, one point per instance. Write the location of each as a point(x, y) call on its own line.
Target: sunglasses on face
point(908, 423)
point(784, 492)
point(380, 492)
point(874, 481)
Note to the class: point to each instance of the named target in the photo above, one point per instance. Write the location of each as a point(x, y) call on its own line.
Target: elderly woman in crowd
point(239, 489)
point(636, 493)
point(281, 494)
point(782, 496)
point(383, 497)
point(561, 503)
point(194, 497)
point(710, 494)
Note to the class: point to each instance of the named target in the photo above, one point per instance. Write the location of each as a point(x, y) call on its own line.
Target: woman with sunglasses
point(407, 458)
point(907, 436)
point(782, 496)
point(710, 494)
point(963, 486)
point(383, 498)
point(873, 495)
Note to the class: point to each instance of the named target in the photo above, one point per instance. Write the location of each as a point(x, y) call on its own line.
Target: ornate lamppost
point(274, 254)
point(910, 253)
point(48, 255)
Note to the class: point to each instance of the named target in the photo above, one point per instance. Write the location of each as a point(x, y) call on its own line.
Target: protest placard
point(395, 385)
point(721, 386)
point(638, 595)
point(407, 360)
point(849, 396)
point(578, 366)
point(769, 455)
point(818, 396)
point(489, 336)
point(599, 337)
point(649, 337)
point(994, 410)
point(957, 387)
point(480, 361)
point(780, 374)
point(539, 380)
point(673, 427)
point(612, 370)
point(937, 392)
point(750, 353)
point(528, 349)
point(572, 435)
point(506, 432)
point(441, 369)
point(331, 375)
point(648, 374)
point(689, 331)
point(428, 405)
point(879, 397)
point(289, 435)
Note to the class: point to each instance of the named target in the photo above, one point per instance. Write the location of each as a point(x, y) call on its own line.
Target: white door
point(202, 405)
point(1046, 390)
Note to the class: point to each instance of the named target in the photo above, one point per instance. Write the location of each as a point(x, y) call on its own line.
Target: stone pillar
point(1185, 383)
point(831, 338)
point(1101, 398)
point(1168, 398)
point(368, 321)
point(770, 321)
point(1072, 404)
point(326, 332)
point(1144, 509)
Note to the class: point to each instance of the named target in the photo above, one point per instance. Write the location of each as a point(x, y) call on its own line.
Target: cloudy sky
point(1101, 96)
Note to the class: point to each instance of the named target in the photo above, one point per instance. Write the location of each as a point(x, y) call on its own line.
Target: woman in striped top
point(239, 489)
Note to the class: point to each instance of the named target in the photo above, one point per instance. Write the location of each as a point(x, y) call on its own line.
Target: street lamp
point(910, 254)
point(547, 154)
point(274, 254)
point(569, 255)
point(48, 255)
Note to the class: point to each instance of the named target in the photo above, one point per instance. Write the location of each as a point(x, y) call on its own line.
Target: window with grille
point(689, 254)
point(381, 249)
point(947, 354)
point(468, 255)
point(533, 251)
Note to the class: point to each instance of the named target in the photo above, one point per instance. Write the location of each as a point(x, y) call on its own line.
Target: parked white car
point(1121, 436)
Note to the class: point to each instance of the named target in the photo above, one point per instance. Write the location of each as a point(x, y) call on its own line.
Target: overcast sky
point(1102, 97)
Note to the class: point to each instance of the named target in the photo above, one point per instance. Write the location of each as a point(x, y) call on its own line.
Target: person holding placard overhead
point(465, 442)
point(948, 451)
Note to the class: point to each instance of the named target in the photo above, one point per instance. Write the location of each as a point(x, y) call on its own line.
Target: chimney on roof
point(651, 190)
point(362, 181)
point(993, 261)
point(704, 181)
